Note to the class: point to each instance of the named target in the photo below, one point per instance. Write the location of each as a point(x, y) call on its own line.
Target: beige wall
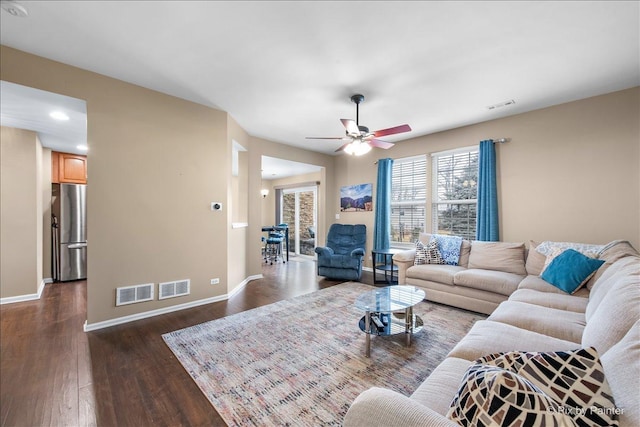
point(20, 213)
point(570, 173)
point(156, 163)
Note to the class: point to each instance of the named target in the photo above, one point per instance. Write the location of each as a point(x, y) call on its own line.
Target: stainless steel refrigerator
point(69, 231)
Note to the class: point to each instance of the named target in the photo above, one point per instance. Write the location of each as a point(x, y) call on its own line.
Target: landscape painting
point(356, 198)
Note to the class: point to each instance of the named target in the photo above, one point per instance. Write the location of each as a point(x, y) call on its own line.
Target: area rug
point(301, 362)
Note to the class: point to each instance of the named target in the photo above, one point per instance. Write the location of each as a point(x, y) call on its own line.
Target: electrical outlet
point(215, 281)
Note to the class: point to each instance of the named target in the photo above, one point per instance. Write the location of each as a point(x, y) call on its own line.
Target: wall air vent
point(174, 289)
point(501, 104)
point(132, 294)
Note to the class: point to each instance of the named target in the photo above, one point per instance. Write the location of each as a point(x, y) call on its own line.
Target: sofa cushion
point(615, 315)
point(535, 260)
point(611, 253)
point(487, 337)
point(551, 300)
point(537, 284)
point(622, 369)
point(492, 396)
point(436, 391)
point(565, 325)
point(488, 280)
point(570, 270)
point(435, 273)
point(623, 267)
point(499, 256)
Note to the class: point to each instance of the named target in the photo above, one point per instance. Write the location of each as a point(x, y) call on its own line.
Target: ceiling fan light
point(363, 149)
point(357, 148)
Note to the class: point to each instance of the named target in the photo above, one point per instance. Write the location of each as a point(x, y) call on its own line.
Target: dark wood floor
point(54, 374)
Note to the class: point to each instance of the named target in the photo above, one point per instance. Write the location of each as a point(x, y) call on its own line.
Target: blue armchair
point(342, 257)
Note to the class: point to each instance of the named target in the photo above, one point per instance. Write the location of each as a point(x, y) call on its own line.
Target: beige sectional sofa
point(536, 317)
point(486, 275)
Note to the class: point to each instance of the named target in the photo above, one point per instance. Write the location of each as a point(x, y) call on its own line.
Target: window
point(455, 185)
point(408, 198)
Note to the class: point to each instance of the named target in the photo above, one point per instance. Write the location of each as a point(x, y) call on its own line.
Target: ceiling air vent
point(132, 294)
point(501, 104)
point(174, 289)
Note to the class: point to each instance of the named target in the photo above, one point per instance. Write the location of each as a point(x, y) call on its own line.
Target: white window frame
point(420, 158)
point(435, 202)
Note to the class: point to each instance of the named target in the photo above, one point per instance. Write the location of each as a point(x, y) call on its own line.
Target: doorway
point(299, 211)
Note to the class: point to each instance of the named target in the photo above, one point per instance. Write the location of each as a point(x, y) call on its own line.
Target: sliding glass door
point(299, 206)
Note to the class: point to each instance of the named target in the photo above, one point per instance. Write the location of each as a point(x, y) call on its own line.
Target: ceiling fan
point(359, 137)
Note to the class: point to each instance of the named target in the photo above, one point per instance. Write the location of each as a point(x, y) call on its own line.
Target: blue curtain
point(382, 225)
point(487, 216)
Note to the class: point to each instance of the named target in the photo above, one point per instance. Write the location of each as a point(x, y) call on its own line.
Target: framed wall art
point(356, 198)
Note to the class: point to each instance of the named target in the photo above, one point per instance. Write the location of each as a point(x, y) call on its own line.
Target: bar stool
point(273, 248)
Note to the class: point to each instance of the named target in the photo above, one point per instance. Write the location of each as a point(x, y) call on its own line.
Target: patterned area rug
point(300, 362)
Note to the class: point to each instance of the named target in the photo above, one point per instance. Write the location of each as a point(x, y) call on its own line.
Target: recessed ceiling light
point(14, 9)
point(82, 147)
point(59, 115)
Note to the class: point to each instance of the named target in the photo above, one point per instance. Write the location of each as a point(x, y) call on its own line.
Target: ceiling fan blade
point(380, 144)
point(325, 137)
point(343, 147)
point(392, 131)
point(351, 126)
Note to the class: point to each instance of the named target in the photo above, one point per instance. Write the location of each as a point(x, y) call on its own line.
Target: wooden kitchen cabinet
point(68, 168)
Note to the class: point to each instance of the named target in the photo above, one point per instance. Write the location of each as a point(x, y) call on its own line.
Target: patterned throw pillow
point(427, 254)
point(546, 247)
point(492, 396)
point(574, 380)
point(449, 247)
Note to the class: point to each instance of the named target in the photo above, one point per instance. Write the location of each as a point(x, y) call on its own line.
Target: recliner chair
point(342, 257)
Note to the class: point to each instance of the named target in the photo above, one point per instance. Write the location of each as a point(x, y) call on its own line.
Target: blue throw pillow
point(570, 270)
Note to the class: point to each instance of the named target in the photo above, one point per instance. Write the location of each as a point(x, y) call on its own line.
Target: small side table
point(390, 270)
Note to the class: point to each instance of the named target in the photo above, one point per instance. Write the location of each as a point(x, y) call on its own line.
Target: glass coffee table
point(389, 311)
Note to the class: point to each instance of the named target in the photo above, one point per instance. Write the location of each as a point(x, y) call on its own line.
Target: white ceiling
point(28, 108)
point(285, 70)
point(274, 168)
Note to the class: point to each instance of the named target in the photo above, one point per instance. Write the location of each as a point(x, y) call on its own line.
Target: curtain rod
point(498, 140)
point(501, 140)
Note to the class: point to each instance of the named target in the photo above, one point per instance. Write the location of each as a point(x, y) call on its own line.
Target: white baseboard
point(243, 284)
point(88, 327)
point(28, 297)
